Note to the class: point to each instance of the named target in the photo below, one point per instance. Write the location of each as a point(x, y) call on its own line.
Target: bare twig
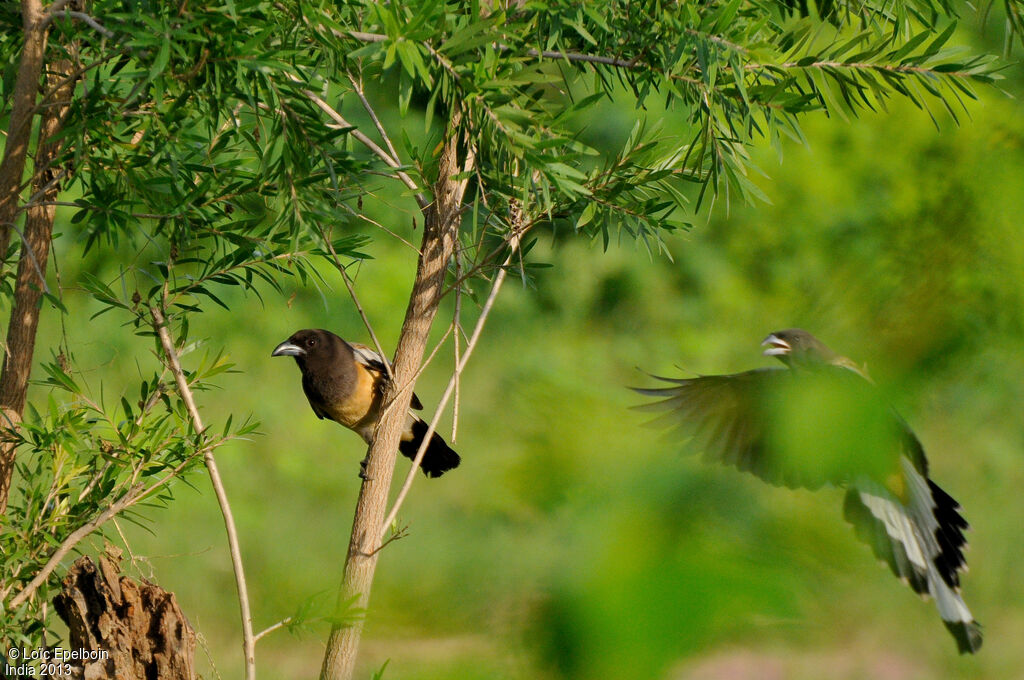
point(544, 54)
point(355, 300)
point(270, 629)
point(457, 325)
point(396, 535)
point(585, 58)
point(390, 161)
point(373, 115)
point(95, 25)
point(370, 220)
point(368, 37)
point(248, 641)
point(87, 489)
point(55, 7)
point(409, 384)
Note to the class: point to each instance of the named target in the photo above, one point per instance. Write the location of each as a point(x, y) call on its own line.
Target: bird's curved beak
point(287, 349)
point(776, 346)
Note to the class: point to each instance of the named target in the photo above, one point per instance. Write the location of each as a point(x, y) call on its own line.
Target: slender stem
point(55, 7)
point(585, 58)
point(96, 26)
point(373, 115)
point(456, 326)
point(421, 200)
point(370, 220)
point(858, 66)
point(134, 494)
point(248, 641)
point(368, 37)
point(270, 629)
point(355, 300)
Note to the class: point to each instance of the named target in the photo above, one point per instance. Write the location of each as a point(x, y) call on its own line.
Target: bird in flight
point(345, 382)
point(821, 421)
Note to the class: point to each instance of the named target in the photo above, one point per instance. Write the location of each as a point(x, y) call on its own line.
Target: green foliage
point(81, 455)
point(214, 152)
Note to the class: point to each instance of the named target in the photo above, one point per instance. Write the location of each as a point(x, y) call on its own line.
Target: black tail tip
point(967, 634)
point(435, 467)
point(438, 459)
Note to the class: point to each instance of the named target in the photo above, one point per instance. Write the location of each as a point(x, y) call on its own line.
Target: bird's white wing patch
point(898, 524)
point(913, 528)
point(368, 357)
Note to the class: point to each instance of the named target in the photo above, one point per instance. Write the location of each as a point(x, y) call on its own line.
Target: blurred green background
point(573, 542)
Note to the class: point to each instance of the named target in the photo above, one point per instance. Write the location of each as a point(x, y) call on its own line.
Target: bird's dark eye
point(311, 342)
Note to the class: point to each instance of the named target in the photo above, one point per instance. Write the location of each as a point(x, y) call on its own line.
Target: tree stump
point(138, 625)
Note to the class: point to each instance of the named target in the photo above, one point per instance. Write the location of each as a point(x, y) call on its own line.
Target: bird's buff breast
point(359, 407)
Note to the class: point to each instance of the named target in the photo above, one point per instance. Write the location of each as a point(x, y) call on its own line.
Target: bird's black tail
point(438, 458)
point(922, 540)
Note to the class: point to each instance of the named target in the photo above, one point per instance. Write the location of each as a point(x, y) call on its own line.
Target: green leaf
point(162, 57)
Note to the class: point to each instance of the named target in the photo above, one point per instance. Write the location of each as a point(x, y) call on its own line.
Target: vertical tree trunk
point(19, 128)
point(440, 233)
point(31, 279)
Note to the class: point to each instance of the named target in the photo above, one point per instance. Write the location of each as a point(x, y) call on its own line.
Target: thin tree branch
point(368, 37)
point(860, 66)
point(635, 62)
point(82, 16)
point(457, 326)
point(248, 641)
point(460, 189)
point(391, 162)
point(370, 220)
point(408, 385)
point(55, 7)
point(499, 279)
point(135, 494)
point(545, 54)
point(718, 40)
point(373, 115)
point(355, 300)
point(270, 629)
point(580, 57)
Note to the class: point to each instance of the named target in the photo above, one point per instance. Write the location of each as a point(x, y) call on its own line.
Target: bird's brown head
point(797, 347)
point(313, 346)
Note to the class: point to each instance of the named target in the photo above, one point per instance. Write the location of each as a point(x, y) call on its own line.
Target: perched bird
point(345, 382)
point(822, 421)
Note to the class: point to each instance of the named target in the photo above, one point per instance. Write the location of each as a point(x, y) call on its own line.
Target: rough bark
point(31, 279)
point(19, 128)
point(440, 233)
point(137, 629)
